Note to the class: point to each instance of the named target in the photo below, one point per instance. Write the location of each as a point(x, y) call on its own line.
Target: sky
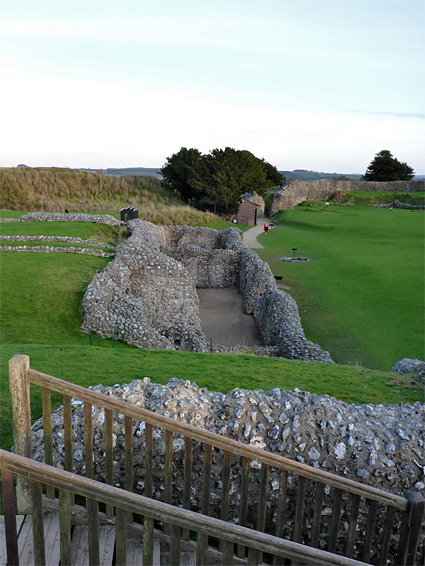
point(322, 85)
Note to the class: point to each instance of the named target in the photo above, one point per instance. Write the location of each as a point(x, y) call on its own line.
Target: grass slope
point(91, 365)
point(362, 294)
point(41, 315)
point(55, 190)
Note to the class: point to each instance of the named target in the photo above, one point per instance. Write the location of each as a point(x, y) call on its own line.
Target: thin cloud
point(392, 114)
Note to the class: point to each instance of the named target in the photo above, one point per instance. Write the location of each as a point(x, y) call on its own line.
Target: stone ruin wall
point(297, 192)
point(148, 293)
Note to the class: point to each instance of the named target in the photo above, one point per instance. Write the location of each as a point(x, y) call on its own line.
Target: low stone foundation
point(147, 295)
point(65, 217)
point(297, 192)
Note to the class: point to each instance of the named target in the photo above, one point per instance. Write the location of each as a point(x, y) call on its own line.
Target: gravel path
point(222, 318)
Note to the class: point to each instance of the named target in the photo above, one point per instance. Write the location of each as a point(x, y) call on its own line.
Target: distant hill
point(305, 175)
point(121, 172)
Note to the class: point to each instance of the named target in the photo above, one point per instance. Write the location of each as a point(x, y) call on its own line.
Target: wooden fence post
point(20, 390)
point(416, 517)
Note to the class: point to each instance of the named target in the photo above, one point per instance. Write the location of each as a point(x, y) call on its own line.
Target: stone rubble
point(65, 217)
point(68, 239)
point(409, 365)
point(147, 295)
point(47, 249)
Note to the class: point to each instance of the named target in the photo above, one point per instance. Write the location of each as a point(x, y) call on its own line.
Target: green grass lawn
point(91, 365)
point(362, 294)
point(41, 315)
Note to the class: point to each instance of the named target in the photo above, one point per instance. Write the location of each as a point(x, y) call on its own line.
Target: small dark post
point(91, 339)
point(125, 323)
point(115, 331)
point(294, 250)
point(416, 515)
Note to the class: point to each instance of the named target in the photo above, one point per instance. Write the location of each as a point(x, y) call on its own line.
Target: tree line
point(217, 180)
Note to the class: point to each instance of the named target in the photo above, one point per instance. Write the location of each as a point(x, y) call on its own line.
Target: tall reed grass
point(54, 190)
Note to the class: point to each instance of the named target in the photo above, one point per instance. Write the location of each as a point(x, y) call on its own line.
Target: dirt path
point(222, 318)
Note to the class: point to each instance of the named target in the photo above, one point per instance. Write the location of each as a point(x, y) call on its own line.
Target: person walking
point(266, 227)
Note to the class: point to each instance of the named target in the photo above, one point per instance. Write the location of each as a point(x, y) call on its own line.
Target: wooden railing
point(309, 503)
point(124, 502)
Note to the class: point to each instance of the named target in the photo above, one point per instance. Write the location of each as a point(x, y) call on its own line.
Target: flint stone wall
point(50, 249)
point(65, 217)
point(299, 191)
point(378, 445)
point(149, 291)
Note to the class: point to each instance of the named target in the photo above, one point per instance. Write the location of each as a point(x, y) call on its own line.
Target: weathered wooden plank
point(148, 541)
point(80, 546)
point(336, 513)
point(19, 385)
point(224, 443)
point(168, 472)
point(51, 537)
point(299, 510)
point(262, 508)
point(129, 477)
point(351, 537)
point(225, 485)
point(65, 525)
point(10, 530)
point(187, 480)
point(88, 439)
point(317, 518)
point(417, 511)
point(175, 537)
point(370, 530)
point(386, 539)
point(189, 559)
point(121, 538)
point(227, 549)
point(80, 554)
point(202, 541)
point(37, 522)
point(148, 460)
point(48, 438)
point(134, 552)
point(93, 524)
point(243, 509)
point(106, 544)
point(3, 546)
point(109, 463)
point(67, 425)
point(283, 485)
point(25, 543)
point(225, 490)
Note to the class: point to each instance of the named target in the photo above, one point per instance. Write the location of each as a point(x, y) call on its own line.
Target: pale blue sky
point(310, 84)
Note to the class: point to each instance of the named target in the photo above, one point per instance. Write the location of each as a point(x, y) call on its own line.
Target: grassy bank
point(361, 295)
point(41, 315)
point(54, 190)
point(91, 365)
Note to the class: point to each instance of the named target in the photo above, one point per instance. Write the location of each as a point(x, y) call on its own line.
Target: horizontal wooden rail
point(224, 443)
point(157, 510)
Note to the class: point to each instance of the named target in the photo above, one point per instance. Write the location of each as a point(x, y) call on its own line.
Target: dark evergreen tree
point(218, 180)
point(182, 172)
point(385, 167)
